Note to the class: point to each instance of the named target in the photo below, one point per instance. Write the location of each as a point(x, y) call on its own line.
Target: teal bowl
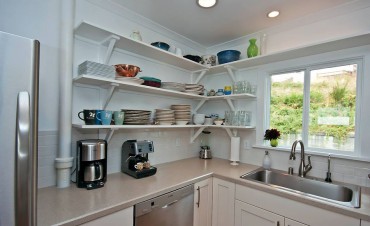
point(161, 45)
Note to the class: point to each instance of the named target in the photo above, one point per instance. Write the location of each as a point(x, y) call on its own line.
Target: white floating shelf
point(232, 97)
point(102, 36)
point(231, 127)
point(106, 82)
point(81, 126)
point(309, 50)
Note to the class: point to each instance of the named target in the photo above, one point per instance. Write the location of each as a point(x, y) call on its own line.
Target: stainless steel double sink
point(338, 193)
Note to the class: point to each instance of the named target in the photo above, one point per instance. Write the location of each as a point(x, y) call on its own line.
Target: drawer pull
point(198, 203)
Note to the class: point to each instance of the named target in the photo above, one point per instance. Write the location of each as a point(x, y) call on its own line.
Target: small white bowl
point(218, 122)
point(180, 122)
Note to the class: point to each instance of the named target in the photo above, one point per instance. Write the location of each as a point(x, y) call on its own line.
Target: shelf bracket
point(200, 105)
point(232, 133)
point(231, 72)
point(196, 134)
point(201, 75)
point(112, 41)
point(110, 94)
point(109, 135)
point(230, 103)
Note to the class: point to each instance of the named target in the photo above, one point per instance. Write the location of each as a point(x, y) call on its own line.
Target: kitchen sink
point(338, 193)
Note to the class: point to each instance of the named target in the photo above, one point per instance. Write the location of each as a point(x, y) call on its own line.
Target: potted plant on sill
point(272, 135)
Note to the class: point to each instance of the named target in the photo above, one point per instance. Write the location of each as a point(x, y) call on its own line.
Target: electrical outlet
point(247, 145)
point(178, 142)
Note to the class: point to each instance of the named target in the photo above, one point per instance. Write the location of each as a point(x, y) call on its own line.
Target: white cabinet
point(123, 217)
point(290, 209)
point(223, 202)
point(203, 203)
point(248, 215)
point(365, 223)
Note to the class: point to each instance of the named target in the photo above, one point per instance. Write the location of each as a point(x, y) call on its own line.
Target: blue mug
point(105, 117)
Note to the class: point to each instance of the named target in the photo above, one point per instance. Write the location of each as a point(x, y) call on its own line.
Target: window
point(316, 105)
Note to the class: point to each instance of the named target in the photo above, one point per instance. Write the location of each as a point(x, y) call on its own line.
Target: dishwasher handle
point(169, 204)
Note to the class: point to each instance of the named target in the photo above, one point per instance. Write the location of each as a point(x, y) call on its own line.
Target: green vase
point(274, 142)
point(252, 50)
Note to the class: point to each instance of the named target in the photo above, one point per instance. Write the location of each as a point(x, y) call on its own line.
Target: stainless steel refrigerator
point(19, 81)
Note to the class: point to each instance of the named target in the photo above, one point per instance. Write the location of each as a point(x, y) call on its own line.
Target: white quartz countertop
point(73, 206)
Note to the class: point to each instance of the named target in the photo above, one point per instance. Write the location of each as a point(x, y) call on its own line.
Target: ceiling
point(228, 20)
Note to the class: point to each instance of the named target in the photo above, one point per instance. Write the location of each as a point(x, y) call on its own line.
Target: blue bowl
point(227, 56)
point(161, 45)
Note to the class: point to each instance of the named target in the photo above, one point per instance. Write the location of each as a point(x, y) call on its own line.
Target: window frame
point(306, 69)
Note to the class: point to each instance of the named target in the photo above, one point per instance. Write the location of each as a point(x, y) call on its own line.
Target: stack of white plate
point(130, 80)
point(93, 68)
point(136, 117)
point(173, 86)
point(182, 113)
point(194, 89)
point(165, 116)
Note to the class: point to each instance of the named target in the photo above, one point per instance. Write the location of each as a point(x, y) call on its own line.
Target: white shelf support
point(230, 103)
point(196, 134)
point(109, 135)
point(201, 75)
point(231, 72)
point(110, 94)
point(112, 41)
point(232, 133)
point(200, 105)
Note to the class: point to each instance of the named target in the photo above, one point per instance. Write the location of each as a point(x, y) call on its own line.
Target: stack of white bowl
point(165, 116)
point(175, 86)
point(194, 89)
point(182, 113)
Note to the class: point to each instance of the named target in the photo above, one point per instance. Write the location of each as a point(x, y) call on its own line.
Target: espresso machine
point(91, 163)
point(134, 154)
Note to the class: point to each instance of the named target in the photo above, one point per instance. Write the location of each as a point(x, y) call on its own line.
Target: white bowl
point(218, 122)
point(181, 122)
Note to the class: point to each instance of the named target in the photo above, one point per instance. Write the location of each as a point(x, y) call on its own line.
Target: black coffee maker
point(136, 152)
point(91, 163)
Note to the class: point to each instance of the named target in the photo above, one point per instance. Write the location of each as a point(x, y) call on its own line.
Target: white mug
point(139, 166)
point(178, 51)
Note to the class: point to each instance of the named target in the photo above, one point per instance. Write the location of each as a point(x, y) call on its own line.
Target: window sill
point(314, 153)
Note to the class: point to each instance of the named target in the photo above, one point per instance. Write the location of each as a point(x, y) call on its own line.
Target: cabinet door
point(223, 203)
point(290, 222)
point(123, 217)
point(248, 215)
point(365, 223)
point(203, 203)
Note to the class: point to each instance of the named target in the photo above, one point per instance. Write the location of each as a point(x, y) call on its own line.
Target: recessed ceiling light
point(273, 14)
point(206, 3)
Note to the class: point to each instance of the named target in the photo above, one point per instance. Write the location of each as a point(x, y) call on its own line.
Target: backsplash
point(169, 146)
point(172, 146)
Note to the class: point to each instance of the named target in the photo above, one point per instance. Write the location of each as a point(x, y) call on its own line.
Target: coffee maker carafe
point(91, 163)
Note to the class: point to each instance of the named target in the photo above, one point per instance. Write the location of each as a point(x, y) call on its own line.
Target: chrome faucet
point(303, 168)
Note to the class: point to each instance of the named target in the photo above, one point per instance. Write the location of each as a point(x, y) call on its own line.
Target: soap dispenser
point(266, 161)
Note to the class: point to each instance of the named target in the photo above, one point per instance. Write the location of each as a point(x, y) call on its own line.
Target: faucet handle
point(309, 159)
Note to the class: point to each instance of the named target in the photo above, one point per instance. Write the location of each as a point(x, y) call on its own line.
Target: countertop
point(73, 206)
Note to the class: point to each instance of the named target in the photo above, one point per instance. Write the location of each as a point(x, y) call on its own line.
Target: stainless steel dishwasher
point(171, 209)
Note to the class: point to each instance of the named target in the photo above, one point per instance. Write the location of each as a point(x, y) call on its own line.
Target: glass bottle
point(136, 36)
point(266, 161)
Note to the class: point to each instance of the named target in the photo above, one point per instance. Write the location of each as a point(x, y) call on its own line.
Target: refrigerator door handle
point(22, 183)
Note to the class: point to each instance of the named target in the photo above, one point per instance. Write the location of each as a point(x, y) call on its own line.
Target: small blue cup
point(105, 117)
